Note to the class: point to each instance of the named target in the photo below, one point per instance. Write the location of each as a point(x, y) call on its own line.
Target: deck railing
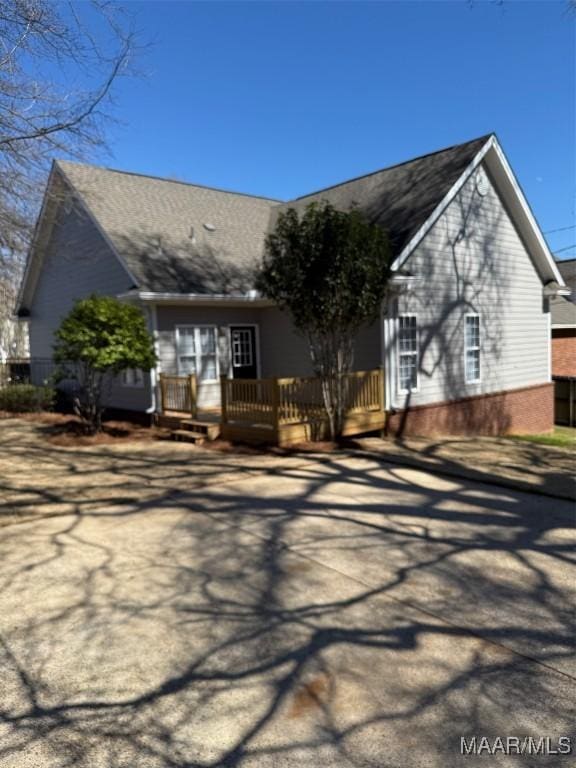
point(249, 400)
point(272, 402)
point(178, 393)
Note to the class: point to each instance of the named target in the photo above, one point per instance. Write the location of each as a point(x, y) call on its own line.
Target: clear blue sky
point(281, 98)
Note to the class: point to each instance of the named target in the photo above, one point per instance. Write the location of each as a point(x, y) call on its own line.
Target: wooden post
point(224, 398)
point(382, 388)
point(275, 404)
point(193, 389)
point(162, 392)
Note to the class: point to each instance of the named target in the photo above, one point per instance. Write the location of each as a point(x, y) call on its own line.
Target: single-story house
point(462, 345)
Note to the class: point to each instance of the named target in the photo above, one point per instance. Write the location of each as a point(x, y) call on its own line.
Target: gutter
point(251, 298)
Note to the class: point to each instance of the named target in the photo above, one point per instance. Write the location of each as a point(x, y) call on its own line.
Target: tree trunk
point(332, 360)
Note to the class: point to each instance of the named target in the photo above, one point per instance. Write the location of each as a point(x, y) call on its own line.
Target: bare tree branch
point(59, 64)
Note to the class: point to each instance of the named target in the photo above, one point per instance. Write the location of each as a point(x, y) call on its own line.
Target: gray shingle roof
point(563, 311)
point(567, 268)
point(149, 220)
point(401, 198)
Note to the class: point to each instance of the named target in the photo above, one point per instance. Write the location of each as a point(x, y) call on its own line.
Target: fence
point(35, 370)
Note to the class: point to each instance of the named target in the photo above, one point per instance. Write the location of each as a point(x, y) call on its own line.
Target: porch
point(279, 411)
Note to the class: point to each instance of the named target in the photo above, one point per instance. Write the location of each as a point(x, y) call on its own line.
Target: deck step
point(209, 429)
point(188, 436)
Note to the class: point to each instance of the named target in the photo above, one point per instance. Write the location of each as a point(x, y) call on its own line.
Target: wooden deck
point(275, 411)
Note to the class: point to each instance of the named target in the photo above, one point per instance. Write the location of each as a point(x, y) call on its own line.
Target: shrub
point(26, 398)
point(98, 339)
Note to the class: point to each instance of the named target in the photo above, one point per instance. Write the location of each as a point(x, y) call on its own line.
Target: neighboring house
point(464, 335)
point(564, 357)
point(567, 268)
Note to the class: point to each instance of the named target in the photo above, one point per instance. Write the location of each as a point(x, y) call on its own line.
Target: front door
point(243, 350)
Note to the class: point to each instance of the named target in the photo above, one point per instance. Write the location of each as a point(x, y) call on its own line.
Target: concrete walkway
point(188, 609)
point(515, 464)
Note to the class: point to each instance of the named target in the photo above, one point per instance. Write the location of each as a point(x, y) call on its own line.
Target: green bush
point(26, 398)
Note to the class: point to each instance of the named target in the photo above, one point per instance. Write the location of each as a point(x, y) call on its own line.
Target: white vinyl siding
point(407, 347)
point(472, 349)
point(78, 262)
point(473, 262)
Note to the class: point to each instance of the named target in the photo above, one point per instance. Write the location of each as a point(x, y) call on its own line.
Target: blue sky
point(281, 98)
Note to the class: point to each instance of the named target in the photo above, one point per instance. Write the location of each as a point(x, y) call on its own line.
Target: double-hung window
point(472, 348)
point(196, 351)
point(407, 353)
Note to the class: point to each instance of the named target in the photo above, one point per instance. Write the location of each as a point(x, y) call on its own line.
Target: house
point(463, 341)
point(567, 268)
point(563, 329)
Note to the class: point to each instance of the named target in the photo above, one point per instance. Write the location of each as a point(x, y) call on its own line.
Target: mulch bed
point(67, 430)
point(71, 432)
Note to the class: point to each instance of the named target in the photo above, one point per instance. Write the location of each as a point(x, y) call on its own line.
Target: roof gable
point(173, 236)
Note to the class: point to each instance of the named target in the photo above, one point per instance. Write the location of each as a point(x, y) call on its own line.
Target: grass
point(564, 437)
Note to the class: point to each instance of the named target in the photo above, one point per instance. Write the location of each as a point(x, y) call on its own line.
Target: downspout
point(154, 372)
point(386, 351)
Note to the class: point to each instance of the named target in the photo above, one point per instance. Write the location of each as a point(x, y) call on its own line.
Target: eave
point(197, 299)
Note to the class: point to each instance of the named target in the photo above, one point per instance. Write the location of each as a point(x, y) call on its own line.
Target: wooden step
point(209, 429)
point(188, 436)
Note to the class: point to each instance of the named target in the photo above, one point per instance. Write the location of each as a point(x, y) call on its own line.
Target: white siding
point(78, 262)
point(473, 261)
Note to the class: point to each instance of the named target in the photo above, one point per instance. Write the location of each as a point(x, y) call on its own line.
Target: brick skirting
point(516, 411)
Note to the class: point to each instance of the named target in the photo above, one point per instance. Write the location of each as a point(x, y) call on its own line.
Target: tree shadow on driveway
point(193, 609)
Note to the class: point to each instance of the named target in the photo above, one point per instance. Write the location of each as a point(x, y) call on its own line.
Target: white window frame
point(474, 348)
point(197, 344)
point(132, 378)
point(399, 354)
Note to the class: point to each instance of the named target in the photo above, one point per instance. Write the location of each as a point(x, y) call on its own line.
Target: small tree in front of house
point(97, 340)
point(329, 269)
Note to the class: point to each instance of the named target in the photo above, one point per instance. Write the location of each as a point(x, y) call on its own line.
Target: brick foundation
point(564, 352)
point(516, 411)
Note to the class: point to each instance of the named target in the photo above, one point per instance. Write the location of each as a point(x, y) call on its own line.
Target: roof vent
point(209, 227)
point(482, 185)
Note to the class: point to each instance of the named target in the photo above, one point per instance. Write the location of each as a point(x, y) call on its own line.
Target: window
point(241, 347)
point(132, 377)
point(197, 351)
point(472, 348)
point(407, 353)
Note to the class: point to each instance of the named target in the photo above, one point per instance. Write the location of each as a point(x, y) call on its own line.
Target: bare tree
point(59, 62)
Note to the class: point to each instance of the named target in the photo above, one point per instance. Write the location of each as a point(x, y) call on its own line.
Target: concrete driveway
point(186, 608)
